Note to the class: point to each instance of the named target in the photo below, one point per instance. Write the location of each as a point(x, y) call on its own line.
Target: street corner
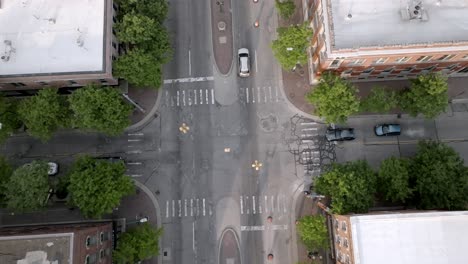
point(229, 248)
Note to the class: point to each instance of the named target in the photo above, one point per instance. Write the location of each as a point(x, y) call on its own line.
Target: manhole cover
point(222, 40)
point(222, 25)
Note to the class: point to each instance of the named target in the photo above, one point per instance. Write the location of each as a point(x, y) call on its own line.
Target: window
point(451, 67)
point(347, 259)
point(429, 68)
point(407, 70)
point(88, 243)
point(87, 259)
point(464, 70)
point(357, 62)
point(42, 83)
point(101, 237)
point(402, 59)
point(388, 70)
point(380, 60)
point(446, 57)
point(424, 58)
point(336, 223)
point(335, 63)
point(345, 242)
point(368, 70)
point(343, 226)
point(338, 240)
point(101, 254)
point(464, 57)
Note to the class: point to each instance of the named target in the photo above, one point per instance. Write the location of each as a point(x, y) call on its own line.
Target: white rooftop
point(51, 36)
point(436, 237)
point(364, 23)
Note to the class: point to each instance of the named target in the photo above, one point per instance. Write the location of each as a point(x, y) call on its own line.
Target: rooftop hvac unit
point(414, 10)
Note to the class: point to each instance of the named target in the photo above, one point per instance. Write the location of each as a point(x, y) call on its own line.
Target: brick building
point(56, 43)
point(86, 243)
point(405, 237)
point(382, 40)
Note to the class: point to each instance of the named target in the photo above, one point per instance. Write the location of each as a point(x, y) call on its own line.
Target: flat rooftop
point(37, 249)
point(51, 36)
point(368, 23)
point(408, 238)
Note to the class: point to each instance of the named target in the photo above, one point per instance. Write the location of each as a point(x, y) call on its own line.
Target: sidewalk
point(149, 100)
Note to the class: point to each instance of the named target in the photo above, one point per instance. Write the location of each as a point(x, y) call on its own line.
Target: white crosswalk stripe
point(192, 207)
point(189, 97)
point(259, 95)
point(267, 204)
point(309, 154)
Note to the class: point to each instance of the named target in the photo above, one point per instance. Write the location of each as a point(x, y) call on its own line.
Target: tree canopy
point(5, 175)
point(139, 68)
point(393, 179)
point(137, 244)
point(100, 108)
point(427, 95)
point(351, 187)
point(379, 100)
point(156, 9)
point(44, 113)
point(291, 46)
point(334, 99)
point(28, 187)
point(135, 28)
point(9, 121)
point(97, 186)
point(285, 8)
point(439, 177)
point(313, 232)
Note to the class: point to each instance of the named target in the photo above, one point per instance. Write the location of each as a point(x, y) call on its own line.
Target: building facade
point(382, 40)
point(56, 44)
point(88, 243)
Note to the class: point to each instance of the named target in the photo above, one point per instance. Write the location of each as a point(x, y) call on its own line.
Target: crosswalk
point(259, 95)
point(308, 149)
point(193, 207)
point(189, 97)
point(264, 204)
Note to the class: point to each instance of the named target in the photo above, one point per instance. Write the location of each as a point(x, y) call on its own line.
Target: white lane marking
point(180, 208)
point(271, 95)
point(308, 123)
point(134, 140)
point(190, 64)
point(266, 204)
point(272, 204)
point(191, 207)
point(284, 204)
point(133, 152)
point(206, 96)
point(256, 65)
point(135, 175)
point(172, 101)
point(279, 227)
point(136, 134)
point(258, 94)
point(201, 96)
point(195, 95)
point(264, 92)
point(253, 203)
point(247, 202)
point(263, 228)
point(309, 129)
point(190, 79)
point(178, 100)
point(209, 207)
point(189, 98)
point(242, 205)
point(278, 200)
point(193, 236)
point(247, 93)
point(212, 96)
point(276, 93)
point(260, 205)
point(134, 163)
point(198, 207)
point(204, 207)
point(253, 95)
point(167, 98)
point(183, 97)
point(185, 207)
point(173, 208)
point(167, 209)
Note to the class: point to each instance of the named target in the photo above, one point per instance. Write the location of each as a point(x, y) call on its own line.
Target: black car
point(340, 134)
point(387, 130)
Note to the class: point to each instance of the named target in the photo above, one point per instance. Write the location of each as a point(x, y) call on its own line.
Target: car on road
point(244, 62)
point(340, 134)
point(387, 130)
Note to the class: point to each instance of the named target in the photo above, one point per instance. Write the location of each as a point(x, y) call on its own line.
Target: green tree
point(334, 98)
point(28, 187)
point(439, 177)
point(313, 232)
point(285, 8)
point(135, 28)
point(379, 100)
point(44, 113)
point(427, 96)
point(5, 175)
point(9, 121)
point(97, 186)
point(393, 179)
point(351, 187)
point(100, 108)
point(139, 68)
point(291, 46)
point(156, 9)
point(137, 244)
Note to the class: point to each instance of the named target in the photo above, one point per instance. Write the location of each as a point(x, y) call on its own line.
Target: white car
point(244, 62)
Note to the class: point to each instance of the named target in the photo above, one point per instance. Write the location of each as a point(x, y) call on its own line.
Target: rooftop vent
point(414, 11)
point(8, 50)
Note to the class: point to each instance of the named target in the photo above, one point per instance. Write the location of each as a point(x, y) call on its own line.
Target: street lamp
point(257, 165)
point(184, 128)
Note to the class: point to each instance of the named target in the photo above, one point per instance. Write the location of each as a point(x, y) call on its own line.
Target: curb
point(294, 250)
point(158, 211)
point(149, 116)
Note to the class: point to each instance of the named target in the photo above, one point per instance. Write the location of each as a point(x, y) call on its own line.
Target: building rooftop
point(37, 249)
point(368, 23)
point(408, 238)
point(51, 36)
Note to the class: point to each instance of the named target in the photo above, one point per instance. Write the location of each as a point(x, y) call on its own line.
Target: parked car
point(387, 130)
point(340, 134)
point(244, 62)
